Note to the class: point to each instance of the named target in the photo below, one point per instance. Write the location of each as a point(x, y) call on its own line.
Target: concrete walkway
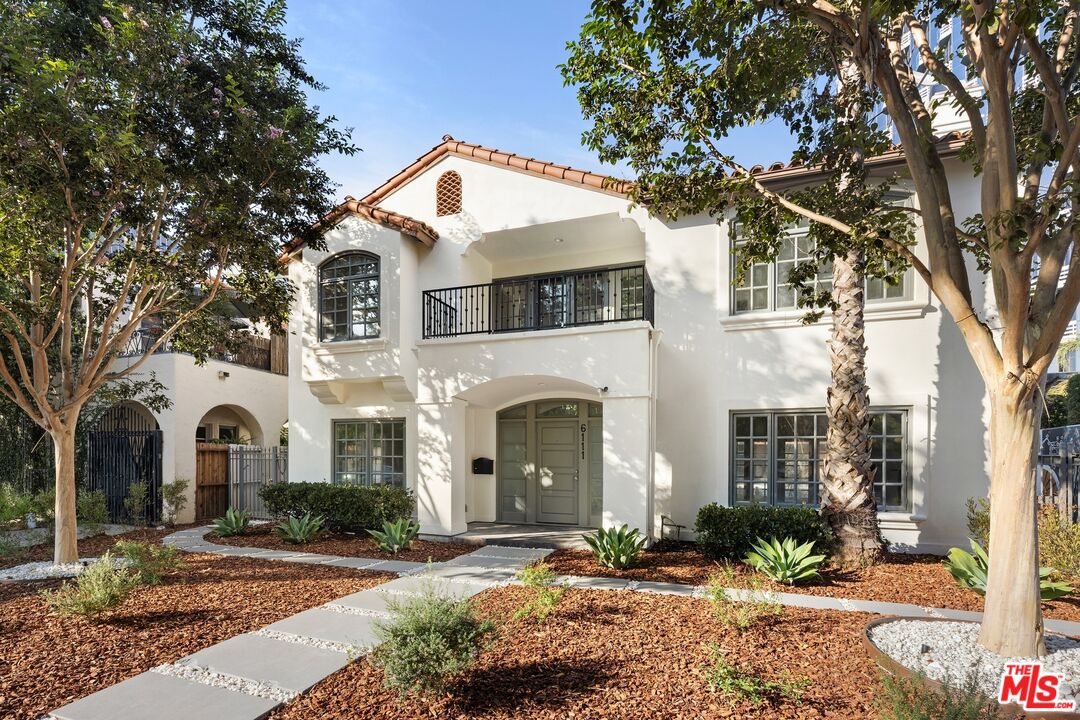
point(247, 676)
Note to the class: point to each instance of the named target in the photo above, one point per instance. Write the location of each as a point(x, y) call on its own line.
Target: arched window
point(448, 194)
point(349, 297)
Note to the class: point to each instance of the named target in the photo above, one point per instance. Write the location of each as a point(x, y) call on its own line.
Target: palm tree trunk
point(847, 478)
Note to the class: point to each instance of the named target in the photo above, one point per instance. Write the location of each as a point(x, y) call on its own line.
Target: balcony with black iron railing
point(269, 354)
point(574, 298)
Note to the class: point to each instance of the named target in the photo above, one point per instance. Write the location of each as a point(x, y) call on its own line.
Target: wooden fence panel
point(211, 480)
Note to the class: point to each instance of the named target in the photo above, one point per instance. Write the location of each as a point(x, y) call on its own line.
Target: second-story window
point(766, 287)
point(349, 297)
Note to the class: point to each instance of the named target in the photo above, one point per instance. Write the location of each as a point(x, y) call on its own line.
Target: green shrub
point(14, 504)
point(100, 587)
point(43, 506)
point(150, 562)
point(396, 536)
point(91, 507)
point(234, 523)
point(427, 639)
point(297, 530)
point(1059, 543)
point(616, 548)
point(346, 508)
point(540, 578)
point(174, 498)
point(913, 699)
point(785, 562)
point(739, 684)
point(971, 570)
point(135, 502)
point(728, 533)
point(978, 520)
point(740, 614)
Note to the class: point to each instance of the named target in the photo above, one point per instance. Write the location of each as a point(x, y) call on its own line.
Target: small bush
point(150, 562)
point(978, 520)
point(427, 639)
point(740, 614)
point(234, 523)
point(174, 498)
point(970, 570)
point(396, 536)
point(616, 548)
point(540, 578)
point(346, 508)
point(91, 507)
point(740, 684)
point(100, 587)
point(14, 504)
point(913, 700)
point(1059, 543)
point(44, 506)
point(300, 530)
point(728, 533)
point(135, 502)
point(784, 562)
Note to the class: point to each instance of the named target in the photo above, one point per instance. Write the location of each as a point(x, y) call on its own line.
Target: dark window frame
point(368, 474)
point(329, 331)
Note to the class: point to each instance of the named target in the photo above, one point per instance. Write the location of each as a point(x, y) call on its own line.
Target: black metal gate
point(123, 449)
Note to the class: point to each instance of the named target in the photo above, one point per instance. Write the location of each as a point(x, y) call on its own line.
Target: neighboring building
point(238, 396)
point(483, 305)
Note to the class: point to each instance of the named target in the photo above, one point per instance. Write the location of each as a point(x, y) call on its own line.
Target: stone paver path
point(247, 676)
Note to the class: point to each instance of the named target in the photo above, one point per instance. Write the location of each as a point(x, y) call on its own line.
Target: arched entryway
point(550, 463)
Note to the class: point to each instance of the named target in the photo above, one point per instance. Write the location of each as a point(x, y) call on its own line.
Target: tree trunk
point(65, 542)
point(1012, 623)
point(847, 478)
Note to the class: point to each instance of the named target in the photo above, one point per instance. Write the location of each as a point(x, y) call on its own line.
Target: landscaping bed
point(603, 654)
point(49, 660)
point(900, 578)
point(345, 544)
point(88, 547)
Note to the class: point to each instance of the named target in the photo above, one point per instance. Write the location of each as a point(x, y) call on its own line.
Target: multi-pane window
point(777, 457)
point(349, 297)
point(766, 286)
point(369, 452)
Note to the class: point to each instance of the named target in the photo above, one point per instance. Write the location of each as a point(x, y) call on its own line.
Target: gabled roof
point(381, 216)
point(542, 168)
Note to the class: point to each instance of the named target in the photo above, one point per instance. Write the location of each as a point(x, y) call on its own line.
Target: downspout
point(650, 483)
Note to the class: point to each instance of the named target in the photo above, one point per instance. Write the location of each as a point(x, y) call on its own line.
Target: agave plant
point(234, 523)
point(784, 561)
point(616, 548)
point(395, 536)
point(297, 530)
point(970, 570)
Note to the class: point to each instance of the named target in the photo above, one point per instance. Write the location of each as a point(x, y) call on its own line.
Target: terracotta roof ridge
point(410, 226)
point(452, 146)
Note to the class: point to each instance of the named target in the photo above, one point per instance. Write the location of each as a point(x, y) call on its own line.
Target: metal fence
point(250, 469)
point(1059, 470)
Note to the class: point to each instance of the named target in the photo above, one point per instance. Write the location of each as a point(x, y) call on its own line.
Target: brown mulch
point(88, 547)
point(345, 544)
point(48, 660)
point(900, 578)
point(623, 655)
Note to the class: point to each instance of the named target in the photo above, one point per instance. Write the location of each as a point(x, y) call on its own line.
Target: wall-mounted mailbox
point(483, 466)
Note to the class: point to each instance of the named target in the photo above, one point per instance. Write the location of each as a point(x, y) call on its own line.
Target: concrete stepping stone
point(471, 560)
point(662, 588)
point(502, 551)
point(417, 585)
point(884, 608)
point(164, 697)
point(395, 566)
point(600, 583)
point(323, 624)
point(476, 575)
point(351, 562)
point(290, 666)
point(371, 601)
point(309, 558)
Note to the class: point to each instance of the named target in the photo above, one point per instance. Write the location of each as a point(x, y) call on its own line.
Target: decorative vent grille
point(448, 194)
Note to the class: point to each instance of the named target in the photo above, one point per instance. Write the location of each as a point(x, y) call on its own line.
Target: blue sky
point(402, 73)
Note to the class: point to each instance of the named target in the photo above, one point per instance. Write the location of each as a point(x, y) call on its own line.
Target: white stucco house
point(483, 306)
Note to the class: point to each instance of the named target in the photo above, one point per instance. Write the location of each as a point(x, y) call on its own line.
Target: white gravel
point(343, 648)
point(229, 682)
point(349, 610)
point(47, 570)
point(949, 652)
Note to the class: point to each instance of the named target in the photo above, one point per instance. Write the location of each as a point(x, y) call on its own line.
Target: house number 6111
point(583, 429)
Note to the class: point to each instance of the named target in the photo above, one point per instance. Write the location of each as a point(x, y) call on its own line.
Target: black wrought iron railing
point(541, 302)
point(253, 352)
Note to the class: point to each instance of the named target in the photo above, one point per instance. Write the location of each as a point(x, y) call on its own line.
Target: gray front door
point(557, 471)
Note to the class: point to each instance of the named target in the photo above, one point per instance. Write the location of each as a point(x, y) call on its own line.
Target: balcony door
point(550, 463)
